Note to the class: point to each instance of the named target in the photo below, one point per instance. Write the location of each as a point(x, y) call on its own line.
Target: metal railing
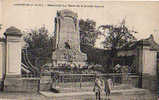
point(85, 80)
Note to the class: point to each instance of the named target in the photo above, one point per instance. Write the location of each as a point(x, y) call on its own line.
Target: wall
point(22, 85)
point(2, 57)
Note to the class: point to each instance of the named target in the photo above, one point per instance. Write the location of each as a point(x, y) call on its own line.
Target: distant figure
point(98, 87)
point(67, 45)
point(108, 87)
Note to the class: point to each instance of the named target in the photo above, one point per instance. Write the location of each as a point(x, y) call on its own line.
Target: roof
point(143, 42)
point(149, 42)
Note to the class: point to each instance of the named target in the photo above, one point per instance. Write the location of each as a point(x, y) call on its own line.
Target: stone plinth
point(67, 39)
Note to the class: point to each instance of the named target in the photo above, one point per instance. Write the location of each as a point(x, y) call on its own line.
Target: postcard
point(79, 50)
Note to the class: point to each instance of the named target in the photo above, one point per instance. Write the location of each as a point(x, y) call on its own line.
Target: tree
point(88, 32)
point(116, 36)
point(40, 46)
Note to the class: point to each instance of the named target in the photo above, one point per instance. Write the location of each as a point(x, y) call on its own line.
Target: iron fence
point(86, 80)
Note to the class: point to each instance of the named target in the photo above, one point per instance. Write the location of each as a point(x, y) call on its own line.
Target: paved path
point(126, 91)
point(125, 94)
point(122, 94)
point(72, 96)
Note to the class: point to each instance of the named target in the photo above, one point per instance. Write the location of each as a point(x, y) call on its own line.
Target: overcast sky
point(140, 16)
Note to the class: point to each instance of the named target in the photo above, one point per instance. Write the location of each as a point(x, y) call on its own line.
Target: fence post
point(81, 81)
point(72, 82)
point(62, 81)
point(38, 85)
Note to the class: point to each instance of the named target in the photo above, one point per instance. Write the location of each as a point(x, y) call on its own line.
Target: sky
point(25, 15)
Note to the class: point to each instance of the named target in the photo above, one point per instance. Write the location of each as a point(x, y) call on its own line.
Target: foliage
point(116, 36)
point(88, 32)
point(40, 45)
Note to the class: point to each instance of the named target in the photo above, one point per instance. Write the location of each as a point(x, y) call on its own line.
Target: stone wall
point(2, 57)
point(22, 85)
point(149, 82)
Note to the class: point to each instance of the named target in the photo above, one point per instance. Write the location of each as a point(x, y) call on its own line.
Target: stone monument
point(67, 39)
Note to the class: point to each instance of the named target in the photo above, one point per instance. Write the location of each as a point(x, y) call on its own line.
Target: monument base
point(60, 57)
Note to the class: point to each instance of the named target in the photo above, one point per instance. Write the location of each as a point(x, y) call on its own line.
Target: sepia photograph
point(79, 50)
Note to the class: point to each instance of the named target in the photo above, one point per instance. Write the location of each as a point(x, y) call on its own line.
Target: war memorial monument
point(67, 40)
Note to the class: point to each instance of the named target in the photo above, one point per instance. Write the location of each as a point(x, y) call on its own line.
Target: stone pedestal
point(13, 59)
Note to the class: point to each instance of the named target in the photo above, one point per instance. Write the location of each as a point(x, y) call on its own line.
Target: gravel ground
point(35, 96)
